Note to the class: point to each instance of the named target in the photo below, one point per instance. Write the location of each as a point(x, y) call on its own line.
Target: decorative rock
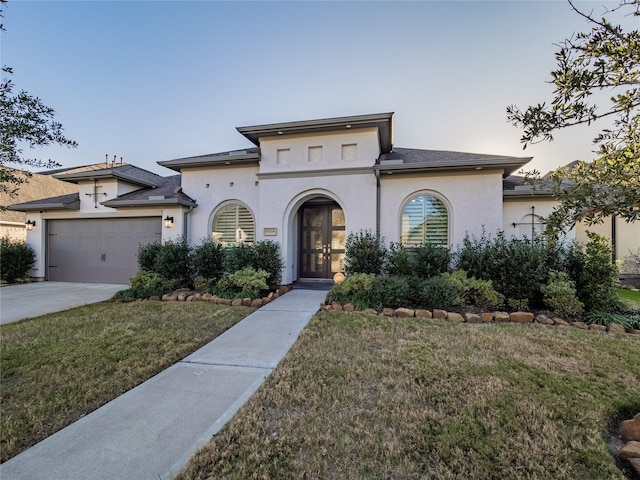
point(630, 450)
point(501, 316)
point(154, 298)
point(560, 322)
point(190, 298)
point(371, 311)
point(521, 317)
point(544, 320)
point(616, 328)
point(336, 307)
point(323, 306)
point(580, 325)
point(270, 296)
point(387, 312)
point(197, 297)
point(455, 317)
point(403, 312)
point(236, 302)
point(635, 331)
point(472, 317)
point(246, 302)
point(265, 300)
point(224, 301)
point(421, 313)
point(631, 429)
point(207, 297)
point(487, 317)
point(441, 314)
point(256, 303)
point(348, 307)
point(595, 326)
point(172, 297)
point(635, 465)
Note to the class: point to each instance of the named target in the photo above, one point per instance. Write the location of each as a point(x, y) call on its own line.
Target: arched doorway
point(322, 239)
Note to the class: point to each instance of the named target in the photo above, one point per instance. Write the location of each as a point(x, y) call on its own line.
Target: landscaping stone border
point(187, 295)
point(479, 317)
point(630, 450)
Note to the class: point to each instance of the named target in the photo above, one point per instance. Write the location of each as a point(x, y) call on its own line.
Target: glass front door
point(322, 240)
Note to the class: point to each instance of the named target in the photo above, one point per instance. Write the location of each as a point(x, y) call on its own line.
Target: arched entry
point(322, 239)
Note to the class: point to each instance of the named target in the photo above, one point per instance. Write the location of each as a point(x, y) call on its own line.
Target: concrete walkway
point(29, 300)
point(151, 431)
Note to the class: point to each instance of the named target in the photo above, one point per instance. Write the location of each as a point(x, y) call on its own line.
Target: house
point(304, 184)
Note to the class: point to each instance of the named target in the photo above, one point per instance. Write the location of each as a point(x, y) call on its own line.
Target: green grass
point(56, 368)
point(631, 298)
point(375, 397)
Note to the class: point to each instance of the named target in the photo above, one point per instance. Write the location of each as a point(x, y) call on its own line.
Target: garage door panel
point(98, 250)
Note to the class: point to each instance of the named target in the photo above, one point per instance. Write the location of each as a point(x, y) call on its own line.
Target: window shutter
point(425, 220)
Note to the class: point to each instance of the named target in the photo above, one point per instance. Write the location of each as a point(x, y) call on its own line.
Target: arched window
point(425, 220)
point(233, 224)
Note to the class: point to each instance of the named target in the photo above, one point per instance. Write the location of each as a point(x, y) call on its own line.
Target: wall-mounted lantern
point(168, 222)
point(30, 224)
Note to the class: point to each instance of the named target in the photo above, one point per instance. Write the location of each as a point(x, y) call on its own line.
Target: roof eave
point(101, 175)
point(211, 161)
point(75, 205)
point(149, 203)
point(507, 168)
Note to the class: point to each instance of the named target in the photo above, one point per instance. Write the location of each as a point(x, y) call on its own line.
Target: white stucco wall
point(474, 201)
point(214, 186)
point(518, 210)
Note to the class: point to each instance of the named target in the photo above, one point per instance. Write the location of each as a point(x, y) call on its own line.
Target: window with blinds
point(233, 224)
point(425, 220)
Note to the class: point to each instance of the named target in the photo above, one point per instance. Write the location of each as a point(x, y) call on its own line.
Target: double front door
point(322, 232)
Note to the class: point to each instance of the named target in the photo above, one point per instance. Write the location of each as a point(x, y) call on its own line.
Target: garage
point(98, 250)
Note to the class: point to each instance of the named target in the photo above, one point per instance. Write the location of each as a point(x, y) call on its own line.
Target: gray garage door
point(98, 250)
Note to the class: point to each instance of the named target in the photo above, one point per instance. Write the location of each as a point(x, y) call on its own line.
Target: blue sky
point(156, 80)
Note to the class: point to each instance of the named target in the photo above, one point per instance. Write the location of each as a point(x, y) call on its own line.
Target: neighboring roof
point(37, 187)
point(236, 157)
point(62, 202)
point(169, 193)
point(407, 160)
point(127, 173)
point(81, 168)
point(514, 186)
point(383, 121)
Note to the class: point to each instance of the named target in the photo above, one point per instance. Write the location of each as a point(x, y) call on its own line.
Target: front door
point(322, 240)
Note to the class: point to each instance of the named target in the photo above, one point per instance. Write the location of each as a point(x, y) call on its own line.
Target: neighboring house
point(305, 185)
point(40, 185)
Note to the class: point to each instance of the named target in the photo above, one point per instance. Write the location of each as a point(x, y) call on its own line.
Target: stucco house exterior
point(304, 184)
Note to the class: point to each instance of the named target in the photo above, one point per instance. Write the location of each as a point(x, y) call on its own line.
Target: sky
point(156, 80)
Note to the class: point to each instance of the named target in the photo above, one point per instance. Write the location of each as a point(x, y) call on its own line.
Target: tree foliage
point(24, 120)
point(604, 60)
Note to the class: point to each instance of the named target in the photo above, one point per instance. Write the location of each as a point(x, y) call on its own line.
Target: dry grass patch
point(374, 397)
point(57, 368)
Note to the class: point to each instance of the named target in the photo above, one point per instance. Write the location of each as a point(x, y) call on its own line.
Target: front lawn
point(631, 298)
point(362, 396)
point(56, 368)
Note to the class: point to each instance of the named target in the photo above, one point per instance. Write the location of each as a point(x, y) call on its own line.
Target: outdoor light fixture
point(168, 222)
point(30, 224)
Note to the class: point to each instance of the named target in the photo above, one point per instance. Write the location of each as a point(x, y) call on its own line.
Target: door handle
point(103, 257)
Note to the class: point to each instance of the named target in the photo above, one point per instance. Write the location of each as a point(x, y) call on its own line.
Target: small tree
point(16, 258)
point(365, 253)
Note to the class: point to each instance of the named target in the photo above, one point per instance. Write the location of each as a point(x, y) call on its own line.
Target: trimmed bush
point(208, 259)
point(438, 292)
point(148, 256)
point(356, 289)
point(430, 260)
point(365, 253)
point(479, 293)
point(245, 283)
point(267, 257)
point(238, 257)
point(16, 258)
point(560, 295)
point(599, 276)
point(391, 291)
point(147, 284)
point(174, 262)
point(400, 260)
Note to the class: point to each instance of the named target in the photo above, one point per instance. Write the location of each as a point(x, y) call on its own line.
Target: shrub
point(267, 257)
point(147, 284)
point(390, 291)
point(628, 321)
point(148, 256)
point(560, 295)
point(245, 283)
point(599, 276)
point(438, 292)
point(473, 291)
point(356, 289)
point(400, 260)
point(518, 304)
point(173, 262)
point(365, 253)
point(430, 260)
point(208, 259)
point(238, 257)
point(16, 258)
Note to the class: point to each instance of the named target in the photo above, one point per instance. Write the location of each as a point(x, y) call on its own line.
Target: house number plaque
point(270, 231)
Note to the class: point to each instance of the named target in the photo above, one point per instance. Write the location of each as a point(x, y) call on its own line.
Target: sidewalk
point(151, 431)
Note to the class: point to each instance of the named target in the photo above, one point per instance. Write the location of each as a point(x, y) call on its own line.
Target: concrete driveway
point(33, 299)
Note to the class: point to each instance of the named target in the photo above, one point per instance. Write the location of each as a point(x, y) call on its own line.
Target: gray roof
point(383, 121)
point(407, 160)
point(514, 186)
point(70, 201)
point(127, 173)
point(169, 193)
point(246, 156)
